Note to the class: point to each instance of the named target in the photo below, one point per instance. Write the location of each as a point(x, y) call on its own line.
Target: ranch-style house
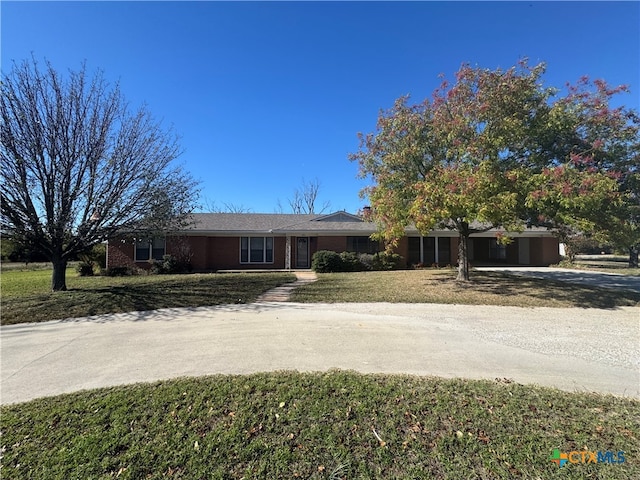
point(245, 241)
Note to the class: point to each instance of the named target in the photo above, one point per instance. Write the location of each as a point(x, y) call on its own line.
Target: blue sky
point(265, 95)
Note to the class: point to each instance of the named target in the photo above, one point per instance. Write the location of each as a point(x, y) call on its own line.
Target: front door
point(302, 252)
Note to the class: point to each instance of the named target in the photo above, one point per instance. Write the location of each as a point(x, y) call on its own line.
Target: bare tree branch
point(304, 199)
point(78, 166)
point(210, 206)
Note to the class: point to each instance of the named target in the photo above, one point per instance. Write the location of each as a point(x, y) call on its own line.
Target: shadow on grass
point(547, 291)
point(172, 313)
point(485, 288)
point(140, 297)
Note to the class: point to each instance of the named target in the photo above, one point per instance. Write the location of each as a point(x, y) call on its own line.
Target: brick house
point(244, 241)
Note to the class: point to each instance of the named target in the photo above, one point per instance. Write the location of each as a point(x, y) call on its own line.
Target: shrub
point(90, 260)
point(351, 262)
point(565, 263)
point(85, 269)
point(156, 267)
point(168, 264)
point(97, 255)
point(387, 261)
point(118, 271)
point(581, 244)
point(325, 261)
point(367, 261)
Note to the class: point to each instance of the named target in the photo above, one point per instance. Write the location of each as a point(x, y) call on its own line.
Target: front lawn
point(603, 263)
point(26, 295)
point(336, 425)
point(439, 286)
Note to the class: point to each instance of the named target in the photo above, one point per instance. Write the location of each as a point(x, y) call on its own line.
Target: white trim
point(287, 256)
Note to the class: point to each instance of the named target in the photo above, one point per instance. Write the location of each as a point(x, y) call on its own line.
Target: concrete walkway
point(568, 348)
point(283, 292)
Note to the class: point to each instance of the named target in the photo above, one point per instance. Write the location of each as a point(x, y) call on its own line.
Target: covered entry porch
point(483, 250)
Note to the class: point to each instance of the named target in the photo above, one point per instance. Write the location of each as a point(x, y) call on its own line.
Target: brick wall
point(403, 250)
point(199, 252)
point(544, 251)
point(453, 251)
point(336, 244)
point(120, 253)
point(223, 253)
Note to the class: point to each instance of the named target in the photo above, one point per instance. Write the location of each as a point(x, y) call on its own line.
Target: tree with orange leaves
point(486, 152)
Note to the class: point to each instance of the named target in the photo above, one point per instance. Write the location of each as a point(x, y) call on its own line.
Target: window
point(256, 250)
point(362, 245)
point(150, 248)
point(497, 251)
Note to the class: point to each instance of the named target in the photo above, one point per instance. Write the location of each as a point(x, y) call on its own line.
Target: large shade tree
point(587, 175)
point(447, 161)
point(78, 165)
point(492, 149)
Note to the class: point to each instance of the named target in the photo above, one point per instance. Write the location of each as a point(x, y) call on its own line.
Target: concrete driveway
point(571, 349)
point(584, 277)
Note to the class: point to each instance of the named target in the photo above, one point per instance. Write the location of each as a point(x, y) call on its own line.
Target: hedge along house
point(245, 241)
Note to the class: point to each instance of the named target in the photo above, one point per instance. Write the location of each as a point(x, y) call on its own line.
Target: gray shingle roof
point(230, 223)
point(338, 223)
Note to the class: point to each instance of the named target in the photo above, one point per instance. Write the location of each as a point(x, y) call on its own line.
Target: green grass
point(603, 266)
point(318, 426)
point(439, 286)
point(26, 295)
point(311, 426)
point(21, 266)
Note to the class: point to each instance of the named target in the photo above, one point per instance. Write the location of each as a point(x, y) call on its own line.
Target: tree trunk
point(58, 278)
point(569, 252)
point(633, 256)
point(463, 258)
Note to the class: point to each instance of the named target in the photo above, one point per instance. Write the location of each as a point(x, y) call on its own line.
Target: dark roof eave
point(275, 232)
point(357, 232)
